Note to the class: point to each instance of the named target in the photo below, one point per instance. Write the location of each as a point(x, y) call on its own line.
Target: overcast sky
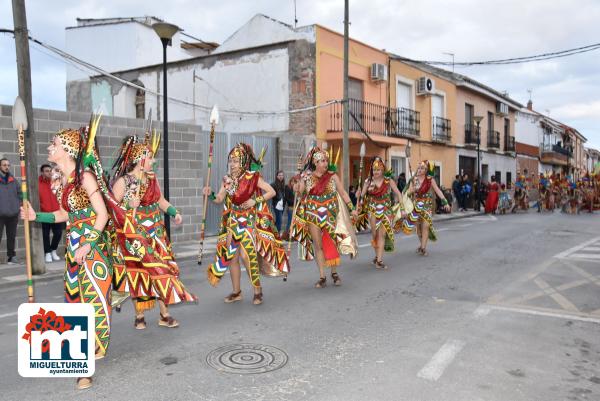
point(569, 88)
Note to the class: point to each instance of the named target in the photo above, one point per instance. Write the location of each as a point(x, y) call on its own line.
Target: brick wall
point(302, 126)
point(186, 162)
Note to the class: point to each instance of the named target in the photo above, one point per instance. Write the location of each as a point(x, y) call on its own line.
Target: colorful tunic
point(377, 204)
point(148, 281)
point(491, 201)
point(322, 207)
point(90, 282)
point(504, 200)
point(251, 230)
point(423, 208)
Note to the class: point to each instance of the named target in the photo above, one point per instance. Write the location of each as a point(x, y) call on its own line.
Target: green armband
point(45, 217)
point(91, 238)
point(444, 202)
point(212, 196)
point(171, 211)
point(350, 206)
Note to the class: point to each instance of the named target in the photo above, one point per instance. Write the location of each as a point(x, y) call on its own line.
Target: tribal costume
point(89, 282)
point(377, 204)
point(322, 206)
point(423, 204)
point(504, 201)
point(145, 280)
point(251, 230)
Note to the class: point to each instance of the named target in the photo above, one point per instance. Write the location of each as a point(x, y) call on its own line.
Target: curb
point(458, 216)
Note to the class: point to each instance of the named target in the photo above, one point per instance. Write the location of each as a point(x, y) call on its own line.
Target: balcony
point(493, 140)
point(441, 129)
point(471, 137)
point(509, 143)
point(375, 119)
point(554, 154)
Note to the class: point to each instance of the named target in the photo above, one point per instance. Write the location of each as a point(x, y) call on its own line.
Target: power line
point(514, 60)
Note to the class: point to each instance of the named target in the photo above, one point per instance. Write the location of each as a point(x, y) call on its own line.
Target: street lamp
point(165, 32)
point(477, 120)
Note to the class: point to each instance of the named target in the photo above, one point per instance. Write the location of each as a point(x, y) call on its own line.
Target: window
point(140, 101)
point(355, 91)
point(468, 114)
point(490, 117)
point(508, 180)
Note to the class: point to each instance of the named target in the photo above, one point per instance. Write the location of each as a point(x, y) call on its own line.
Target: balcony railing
point(404, 122)
point(509, 143)
point(493, 139)
point(375, 119)
point(441, 129)
point(470, 134)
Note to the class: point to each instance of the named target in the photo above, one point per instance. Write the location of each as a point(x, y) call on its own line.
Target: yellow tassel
point(331, 154)
point(337, 157)
point(141, 306)
point(332, 262)
point(212, 279)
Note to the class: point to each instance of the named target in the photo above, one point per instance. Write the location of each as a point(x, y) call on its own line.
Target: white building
point(115, 44)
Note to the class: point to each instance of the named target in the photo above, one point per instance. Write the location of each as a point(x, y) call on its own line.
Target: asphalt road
point(504, 308)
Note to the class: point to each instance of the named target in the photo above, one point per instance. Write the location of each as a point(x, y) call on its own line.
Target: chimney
point(530, 105)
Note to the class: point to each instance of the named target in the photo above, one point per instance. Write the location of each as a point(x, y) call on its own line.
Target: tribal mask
point(319, 155)
point(243, 152)
point(70, 141)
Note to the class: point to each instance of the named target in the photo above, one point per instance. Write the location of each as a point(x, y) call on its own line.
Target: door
point(437, 110)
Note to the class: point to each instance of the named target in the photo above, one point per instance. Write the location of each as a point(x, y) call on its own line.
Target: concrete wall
point(261, 30)
point(527, 128)
point(495, 162)
point(186, 158)
point(118, 46)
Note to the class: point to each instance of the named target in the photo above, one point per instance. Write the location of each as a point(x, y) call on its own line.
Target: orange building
point(370, 116)
point(426, 101)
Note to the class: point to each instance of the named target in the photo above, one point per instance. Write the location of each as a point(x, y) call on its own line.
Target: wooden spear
point(214, 120)
point(19, 117)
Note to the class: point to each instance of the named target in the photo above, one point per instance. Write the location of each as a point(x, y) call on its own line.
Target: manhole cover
point(247, 359)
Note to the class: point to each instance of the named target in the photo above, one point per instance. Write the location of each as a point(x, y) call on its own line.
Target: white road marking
point(364, 245)
point(481, 311)
point(18, 277)
point(441, 360)
point(592, 248)
point(585, 255)
point(574, 249)
point(535, 312)
point(8, 314)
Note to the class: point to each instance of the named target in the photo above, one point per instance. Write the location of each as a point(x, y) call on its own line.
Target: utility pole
point(38, 265)
point(345, 141)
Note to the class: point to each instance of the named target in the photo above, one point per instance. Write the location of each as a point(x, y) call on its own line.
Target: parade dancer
point(520, 197)
point(247, 227)
point(135, 187)
point(376, 210)
point(321, 222)
point(491, 201)
point(421, 216)
point(504, 202)
point(88, 270)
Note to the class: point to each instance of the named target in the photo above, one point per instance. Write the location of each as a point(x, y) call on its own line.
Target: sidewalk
point(15, 275)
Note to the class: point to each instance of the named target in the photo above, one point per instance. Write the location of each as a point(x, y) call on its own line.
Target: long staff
point(214, 120)
point(363, 151)
point(20, 124)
